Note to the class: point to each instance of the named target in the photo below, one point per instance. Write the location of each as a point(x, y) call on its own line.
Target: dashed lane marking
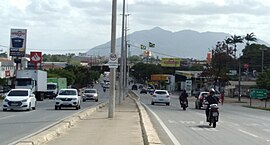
point(172, 121)
point(5, 117)
point(248, 133)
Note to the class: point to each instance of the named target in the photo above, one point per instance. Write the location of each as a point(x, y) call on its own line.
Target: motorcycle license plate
point(215, 114)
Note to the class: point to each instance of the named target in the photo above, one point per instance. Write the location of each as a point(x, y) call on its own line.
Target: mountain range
point(182, 44)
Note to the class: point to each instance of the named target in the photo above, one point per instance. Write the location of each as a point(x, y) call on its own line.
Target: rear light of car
point(201, 97)
point(168, 96)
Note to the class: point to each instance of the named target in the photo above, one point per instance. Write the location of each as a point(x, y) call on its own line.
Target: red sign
point(36, 57)
point(246, 66)
point(7, 73)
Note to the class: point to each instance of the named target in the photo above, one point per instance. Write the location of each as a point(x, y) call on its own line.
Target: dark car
point(134, 87)
point(143, 91)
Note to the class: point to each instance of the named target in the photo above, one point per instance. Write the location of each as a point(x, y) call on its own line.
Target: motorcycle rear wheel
point(214, 124)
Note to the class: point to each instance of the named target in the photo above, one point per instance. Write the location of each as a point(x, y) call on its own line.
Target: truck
point(54, 85)
point(35, 80)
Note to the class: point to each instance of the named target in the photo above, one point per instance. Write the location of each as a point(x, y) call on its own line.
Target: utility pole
point(111, 111)
point(239, 81)
point(122, 57)
point(125, 59)
point(262, 49)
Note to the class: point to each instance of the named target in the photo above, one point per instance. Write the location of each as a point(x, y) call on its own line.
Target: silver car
point(67, 98)
point(90, 94)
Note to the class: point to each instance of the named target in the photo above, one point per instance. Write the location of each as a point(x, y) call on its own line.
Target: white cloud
point(78, 25)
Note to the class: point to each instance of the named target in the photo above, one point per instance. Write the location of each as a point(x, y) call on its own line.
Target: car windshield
point(204, 94)
point(18, 93)
point(161, 92)
point(90, 91)
point(67, 92)
point(51, 87)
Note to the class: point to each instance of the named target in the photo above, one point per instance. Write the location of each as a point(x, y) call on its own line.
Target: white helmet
point(212, 90)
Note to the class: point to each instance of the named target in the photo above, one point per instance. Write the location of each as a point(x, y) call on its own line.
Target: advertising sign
point(18, 42)
point(36, 57)
point(170, 62)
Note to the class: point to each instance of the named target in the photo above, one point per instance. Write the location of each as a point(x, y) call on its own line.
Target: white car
point(19, 99)
point(67, 98)
point(90, 94)
point(161, 96)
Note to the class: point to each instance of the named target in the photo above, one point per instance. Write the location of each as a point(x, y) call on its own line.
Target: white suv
point(19, 99)
point(67, 98)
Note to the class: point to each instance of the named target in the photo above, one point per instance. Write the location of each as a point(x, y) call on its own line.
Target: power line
point(153, 51)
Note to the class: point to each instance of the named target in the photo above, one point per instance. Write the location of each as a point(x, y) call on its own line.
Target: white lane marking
point(211, 129)
point(5, 117)
point(248, 133)
point(197, 129)
point(187, 122)
point(201, 123)
point(172, 137)
point(203, 129)
point(252, 124)
point(172, 121)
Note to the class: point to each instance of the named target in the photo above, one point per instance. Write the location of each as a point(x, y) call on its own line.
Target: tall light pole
point(122, 57)
point(125, 58)
point(111, 111)
point(262, 49)
point(239, 80)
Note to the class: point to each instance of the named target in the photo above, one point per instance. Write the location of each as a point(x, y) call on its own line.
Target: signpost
point(36, 57)
point(113, 61)
point(258, 94)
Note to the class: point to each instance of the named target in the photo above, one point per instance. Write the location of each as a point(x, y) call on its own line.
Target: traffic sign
point(113, 61)
point(258, 93)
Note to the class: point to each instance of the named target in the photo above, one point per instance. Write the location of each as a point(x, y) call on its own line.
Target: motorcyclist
point(211, 99)
point(183, 97)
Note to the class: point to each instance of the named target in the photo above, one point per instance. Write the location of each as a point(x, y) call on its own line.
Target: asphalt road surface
point(237, 125)
point(15, 125)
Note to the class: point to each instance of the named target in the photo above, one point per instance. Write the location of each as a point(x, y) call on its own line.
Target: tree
point(263, 80)
point(233, 40)
point(222, 56)
point(250, 37)
point(142, 72)
point(252, 55)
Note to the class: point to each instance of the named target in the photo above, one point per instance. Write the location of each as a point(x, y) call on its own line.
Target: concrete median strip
point(58, 129)
point(149, 133)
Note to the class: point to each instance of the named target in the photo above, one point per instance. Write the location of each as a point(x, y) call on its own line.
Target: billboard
point(18, 42)
point(170, 62)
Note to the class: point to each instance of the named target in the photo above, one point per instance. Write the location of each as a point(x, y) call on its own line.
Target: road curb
point(58, 129)
point(150, 135)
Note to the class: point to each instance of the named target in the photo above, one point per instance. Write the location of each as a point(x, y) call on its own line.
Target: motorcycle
point(213, 115)
point(184, 104)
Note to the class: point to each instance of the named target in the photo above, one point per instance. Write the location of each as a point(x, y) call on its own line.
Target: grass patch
point(253, 107)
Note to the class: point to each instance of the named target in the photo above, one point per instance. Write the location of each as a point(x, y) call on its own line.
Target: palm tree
point(234, 40)
point(250, 37)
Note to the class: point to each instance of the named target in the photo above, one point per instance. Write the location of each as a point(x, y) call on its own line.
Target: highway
point(237, 125)
point(15, 125)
